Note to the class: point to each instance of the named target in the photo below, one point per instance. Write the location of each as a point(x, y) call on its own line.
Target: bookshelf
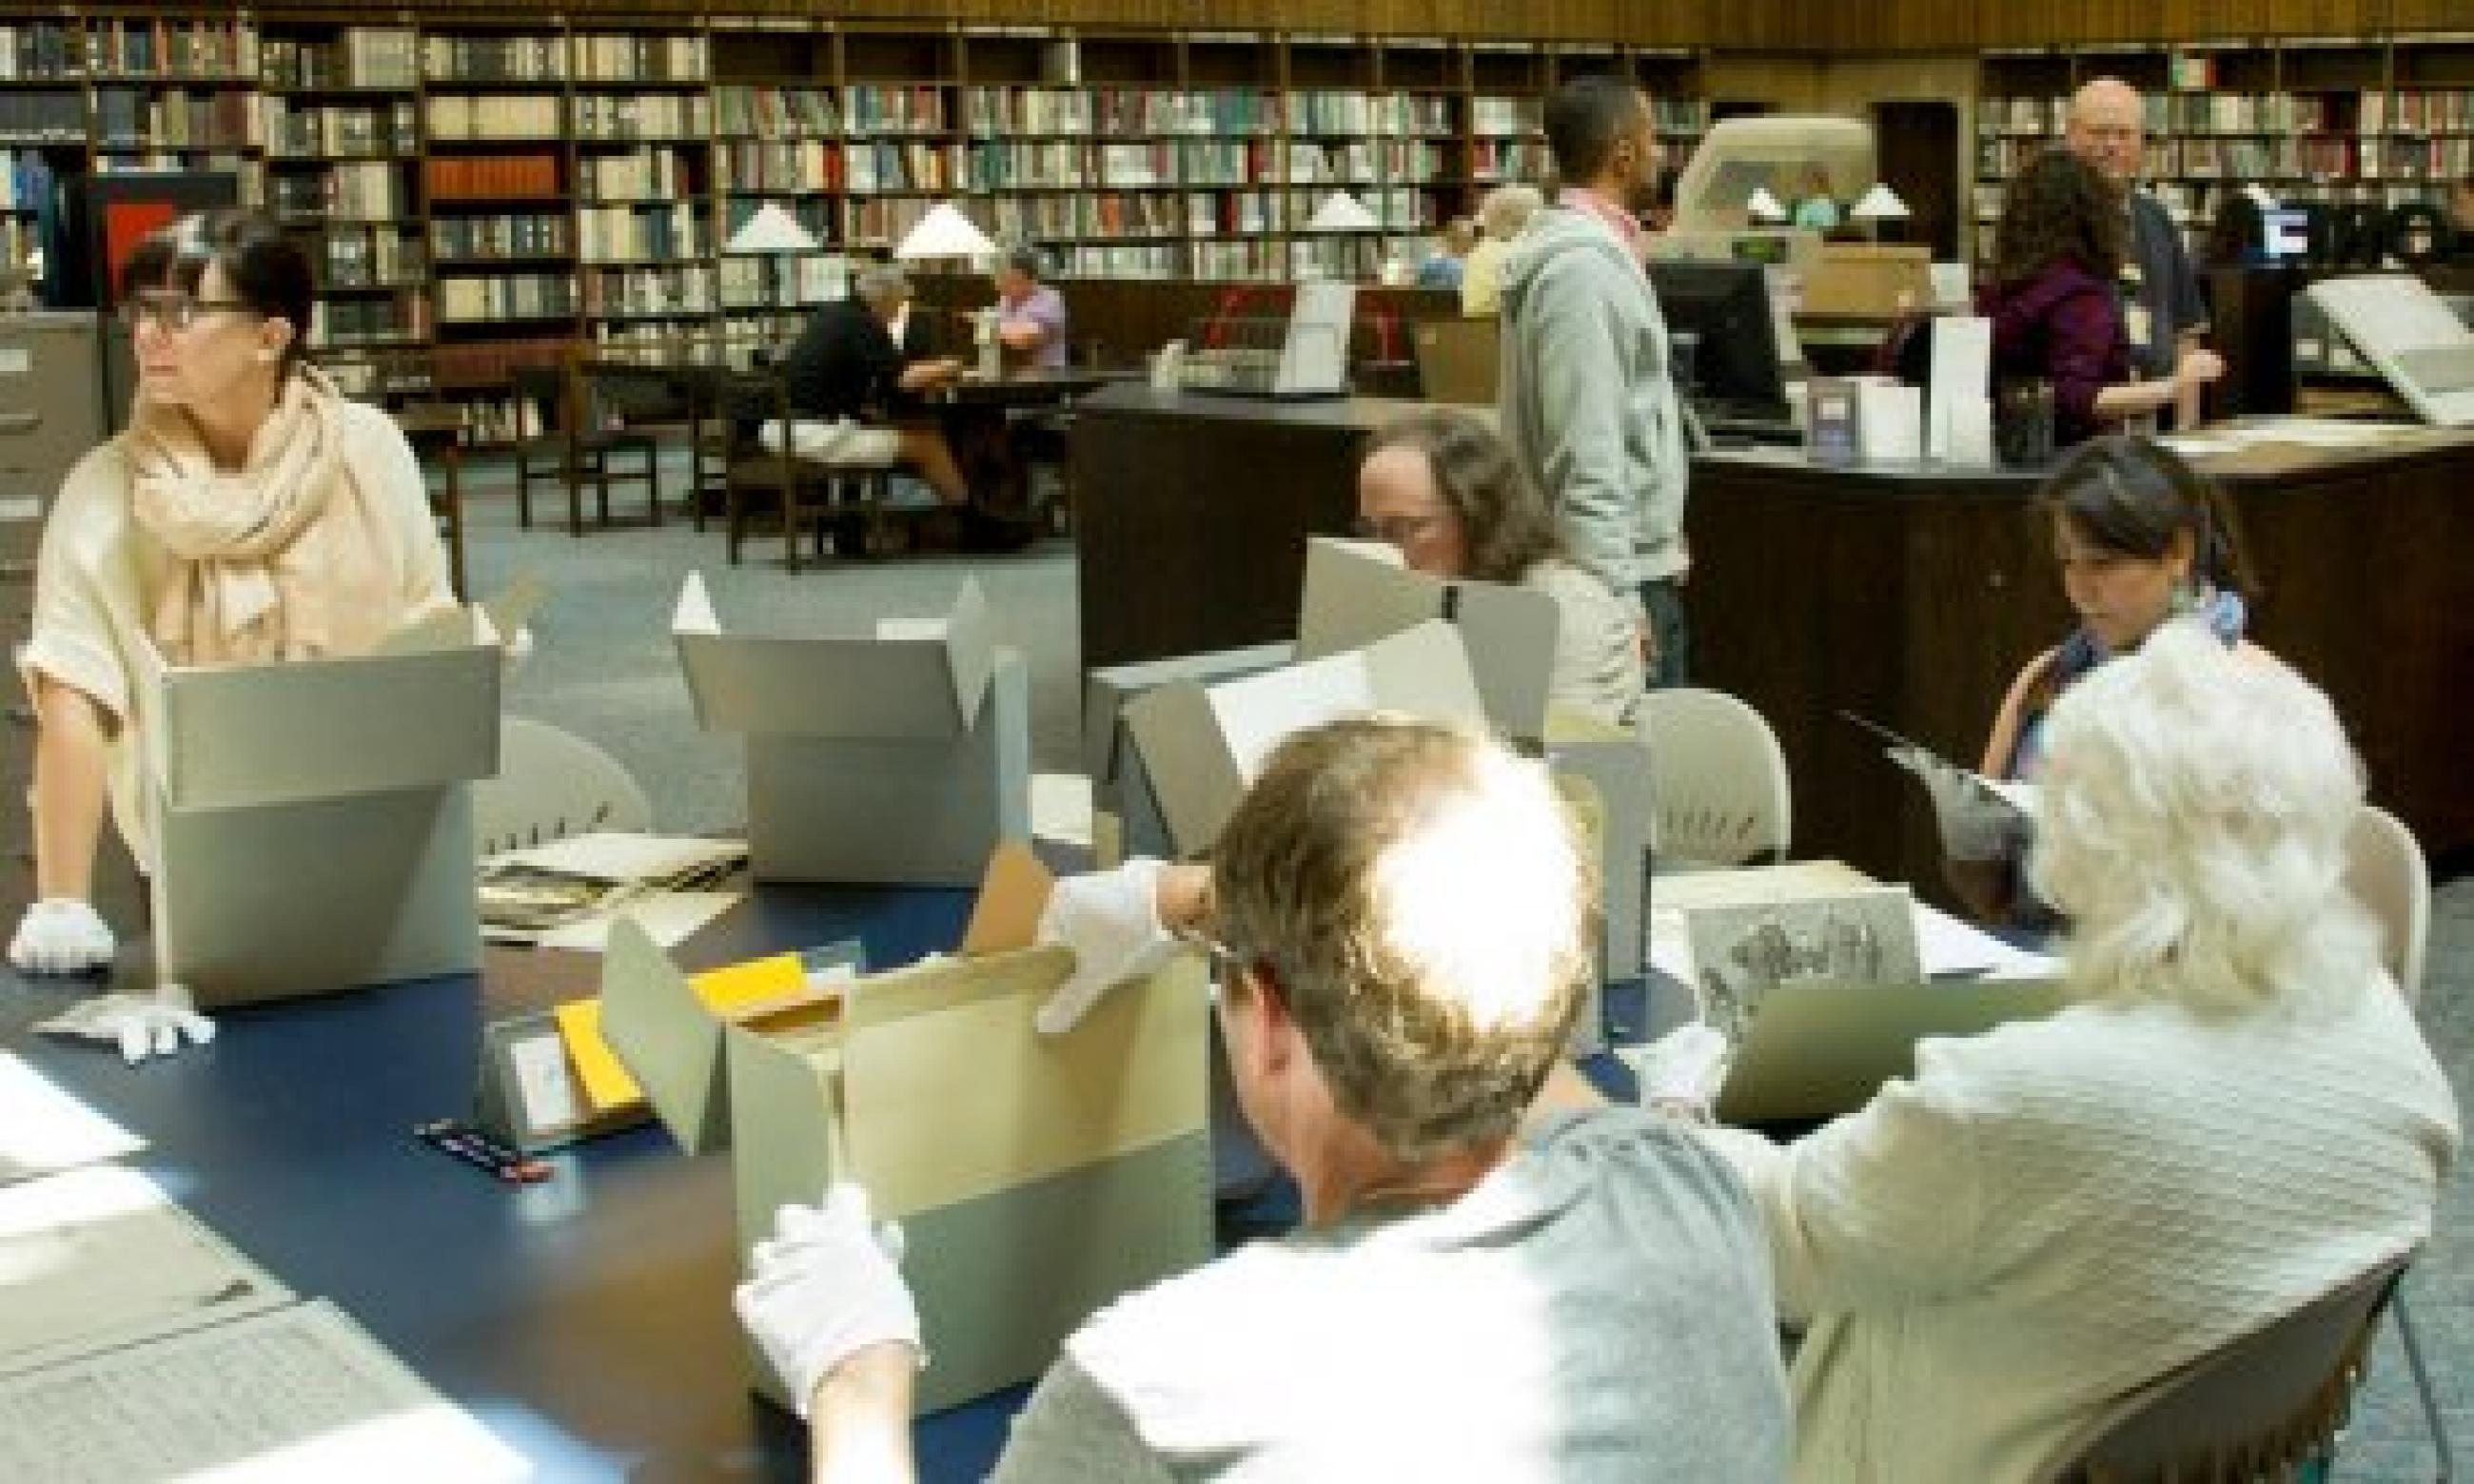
point(2339, 121)
point(480, 188)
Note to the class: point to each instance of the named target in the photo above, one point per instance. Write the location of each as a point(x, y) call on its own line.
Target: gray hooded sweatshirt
point(1588, 400)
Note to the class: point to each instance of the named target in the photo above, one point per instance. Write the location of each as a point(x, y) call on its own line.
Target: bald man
point(2166, 317)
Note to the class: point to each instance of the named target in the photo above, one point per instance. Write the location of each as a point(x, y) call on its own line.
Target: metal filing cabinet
point(51, 412)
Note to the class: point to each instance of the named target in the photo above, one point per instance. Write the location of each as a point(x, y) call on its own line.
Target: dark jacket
point(2063, 324)
point(844, 364)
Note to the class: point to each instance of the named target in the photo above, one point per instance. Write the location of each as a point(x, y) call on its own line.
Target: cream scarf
point(263, 555)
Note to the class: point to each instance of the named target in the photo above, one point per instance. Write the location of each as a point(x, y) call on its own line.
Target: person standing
point(1587, 398)
point(2161, 309)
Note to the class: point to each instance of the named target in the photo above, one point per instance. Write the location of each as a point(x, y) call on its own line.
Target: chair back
point(552, 783)
point(1458, 360)
point(543, 388)
point(2385, 871)
point(1722, 791)
point(2253, 1408)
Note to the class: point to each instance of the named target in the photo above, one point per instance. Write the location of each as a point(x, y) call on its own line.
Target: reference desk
point(585, 1320)
point(1911, 595)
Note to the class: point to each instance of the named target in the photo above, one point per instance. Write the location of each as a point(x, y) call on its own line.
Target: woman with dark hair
point(248, 514)
point(2237, 234)
point(1445, 491)
point(2057, 302)
point(2141, 539)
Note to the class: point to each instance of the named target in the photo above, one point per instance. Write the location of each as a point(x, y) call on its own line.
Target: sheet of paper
point(1962, 370)
point(43, 1128)
point(668, 917)
point(300, 1395)
point(101, 1256)
point(1950, 948)
point(544, 1080)
point(1889, 421)
point(621, 856)
point(2019, 796)
point(1060, 807)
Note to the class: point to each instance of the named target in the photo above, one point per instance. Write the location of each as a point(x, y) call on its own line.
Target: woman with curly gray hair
point(2234, 1115)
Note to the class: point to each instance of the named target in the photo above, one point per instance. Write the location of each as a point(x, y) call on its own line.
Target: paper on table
point(668, 917)
point(1949, 946)
point(1962, 372)
point(1060, 807)
point(300, 1395)
point(45, 1129)
point(621, 856)
point(1889, 420)
point(101, 1256)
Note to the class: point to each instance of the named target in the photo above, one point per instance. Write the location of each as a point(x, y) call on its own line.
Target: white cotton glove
point(824, 1288)
point(141, 1025)
point(1686, 1066)
point(1110, 919)
point(1975, 823)
point(60, 935)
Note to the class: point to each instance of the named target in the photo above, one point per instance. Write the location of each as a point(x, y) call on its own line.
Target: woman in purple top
point(2056, 302)
point(1030, 315)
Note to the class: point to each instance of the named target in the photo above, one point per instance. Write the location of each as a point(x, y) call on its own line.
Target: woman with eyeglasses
point(1442, 488)
point(248, 514)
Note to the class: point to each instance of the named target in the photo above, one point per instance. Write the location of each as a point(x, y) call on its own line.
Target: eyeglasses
point(175, 313)
point(1397, 530)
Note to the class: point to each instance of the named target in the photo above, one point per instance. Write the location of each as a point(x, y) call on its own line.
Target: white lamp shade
point(1764, 206)
point(771, 230)
point(945, 233)
point(1881, 204)
point(1342, 212)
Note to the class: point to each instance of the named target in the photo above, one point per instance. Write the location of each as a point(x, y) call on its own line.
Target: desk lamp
point(1762, 207)
point(774, 234)
point(1341, 213)
point(946, 232)
point(1878, 205)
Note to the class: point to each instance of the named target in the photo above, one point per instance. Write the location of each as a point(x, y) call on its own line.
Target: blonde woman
point(248, 514)
point(1503, 216)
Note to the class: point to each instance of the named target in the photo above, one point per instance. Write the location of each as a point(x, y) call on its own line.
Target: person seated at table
point(2142, 539)
point(1503, 216)
point(1444, 488)
point(1445, 266)
point(2056, 303)
point(1816, 211)
point(1032, 323)
point(2234, 1114)
point(1582, 1297)
point(845, 372)
point(250, 512)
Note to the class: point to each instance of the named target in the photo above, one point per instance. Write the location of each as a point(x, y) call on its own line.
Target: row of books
point(630, 233)
point(503, 235)
point(788, 165)
point(773, 112)
point(170, 48)
point(358, 57)
point(1120, 260)
point(747, 282)
point(366, 320)
point(1084, 215)
point(642, 116)
point(2435, 110)
point(506, 297)
point(175, 121)
point(2271, 157)
point(292, 127)
point(362, 191)
point(1318, 113)
point(1507, 116)
point(1508, 159)
point(883, 165)
point(2343, 110)
point(630, 58)
point(491, 176)
point(494, 116)
point(41, 113)
point(669, 290)
point(494, 59)
point(361, 257)
point(877, 108)
point(659, 173)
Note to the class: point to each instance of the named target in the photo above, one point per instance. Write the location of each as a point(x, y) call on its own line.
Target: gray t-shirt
point(1598, 1309)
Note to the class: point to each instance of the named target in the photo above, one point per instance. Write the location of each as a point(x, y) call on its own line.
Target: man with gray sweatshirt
point(1588, 400)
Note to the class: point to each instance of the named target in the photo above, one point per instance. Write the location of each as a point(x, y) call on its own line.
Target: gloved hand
point(60, 935)
point(825, 1287)
point(1975, 824)
point(1110, 919)
point(141, 1025)
point(1685, 1066)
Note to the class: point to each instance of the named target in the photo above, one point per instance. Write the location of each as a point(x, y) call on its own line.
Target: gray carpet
point(605, 669)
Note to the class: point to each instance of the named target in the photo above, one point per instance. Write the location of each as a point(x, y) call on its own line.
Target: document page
point(297, 1394)
point(43, 1128)
point(101, 1257)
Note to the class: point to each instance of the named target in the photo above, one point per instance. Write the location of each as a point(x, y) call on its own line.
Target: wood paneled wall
point(1830, 27)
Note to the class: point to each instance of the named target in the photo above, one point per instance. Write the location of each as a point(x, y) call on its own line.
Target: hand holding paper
point(824, 1288)
point(1976, 822)
point(141, 1025)
point(1685, 1066)
point(60, 935)
point(1112, 920)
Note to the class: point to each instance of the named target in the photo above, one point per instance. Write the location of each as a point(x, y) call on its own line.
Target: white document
point(621, 856)
point(298, 1395)
point(1966, 434)
point(1962, 372)
point(43, 1128)
point(1060, 807)
point(1889, 421)
point(1950, 948)
point(1314, 358)
point(668, 917)
point(100, 1256)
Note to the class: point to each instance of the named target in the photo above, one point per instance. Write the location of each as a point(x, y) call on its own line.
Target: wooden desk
point(1912, 596)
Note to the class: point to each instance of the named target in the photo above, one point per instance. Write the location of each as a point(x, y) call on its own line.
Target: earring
point(2186, 597)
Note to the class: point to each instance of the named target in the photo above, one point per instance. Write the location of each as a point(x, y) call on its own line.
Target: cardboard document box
point(313, 820)
point(901, 755)
point(1615, 760)
point(1126, 819)
point(1036, 1178)
point(1357, 593)
point(1873, 280)
point(1201, 746)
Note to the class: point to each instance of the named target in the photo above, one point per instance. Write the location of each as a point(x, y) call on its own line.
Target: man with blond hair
point(2161, 306)
point(1402, 919)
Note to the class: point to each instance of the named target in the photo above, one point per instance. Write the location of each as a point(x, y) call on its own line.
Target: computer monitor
point(2285, 235)
point(1724, 309)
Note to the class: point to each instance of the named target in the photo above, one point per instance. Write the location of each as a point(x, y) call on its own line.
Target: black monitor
point(1732, 369)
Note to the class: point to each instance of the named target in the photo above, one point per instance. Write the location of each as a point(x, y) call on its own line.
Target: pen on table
point(475, 1148)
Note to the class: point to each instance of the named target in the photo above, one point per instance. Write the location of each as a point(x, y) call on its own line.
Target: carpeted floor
point(606, 670)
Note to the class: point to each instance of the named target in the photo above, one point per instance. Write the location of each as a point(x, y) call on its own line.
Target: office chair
point(552, 783)
point(1722, 789)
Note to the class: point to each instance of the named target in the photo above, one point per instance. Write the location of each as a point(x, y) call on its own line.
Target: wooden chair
point(575, 449)
point(2258, 1409)
point(811, 496)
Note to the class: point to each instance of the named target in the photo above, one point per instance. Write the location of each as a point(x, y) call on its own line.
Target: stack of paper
point(567, 892)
